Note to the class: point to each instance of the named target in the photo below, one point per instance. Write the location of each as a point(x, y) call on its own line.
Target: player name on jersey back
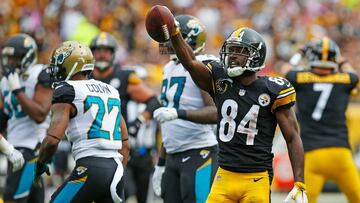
point(98, 88)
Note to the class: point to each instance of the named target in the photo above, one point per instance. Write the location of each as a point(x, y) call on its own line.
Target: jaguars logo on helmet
point(104, 40)
point(323, 53)
point(22, 49)
point(69, 58)
point(193, 32)
point(252, 46)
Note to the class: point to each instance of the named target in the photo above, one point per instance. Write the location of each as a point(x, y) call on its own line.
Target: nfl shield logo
point(242, 92)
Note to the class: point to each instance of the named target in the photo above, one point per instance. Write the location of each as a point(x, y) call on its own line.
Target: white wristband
point(5, 147)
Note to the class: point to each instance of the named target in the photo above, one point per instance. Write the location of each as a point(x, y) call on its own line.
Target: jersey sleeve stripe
point(285, 94)
point(284, 101)
point(134, 79)
point(286, 90)
point(209, 67)
point(237, 33)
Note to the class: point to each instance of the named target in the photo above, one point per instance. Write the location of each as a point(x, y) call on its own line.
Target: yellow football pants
point(335, 164)
point(234, 187)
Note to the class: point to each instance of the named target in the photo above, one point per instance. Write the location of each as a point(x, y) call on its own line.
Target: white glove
point(156, 179)
point(164, 114)
point(297, 194)
point(13, 155)
point(17, 159)
point(14, 81)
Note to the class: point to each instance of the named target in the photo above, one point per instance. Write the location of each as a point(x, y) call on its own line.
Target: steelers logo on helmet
point(244, 50)
point(264, 99)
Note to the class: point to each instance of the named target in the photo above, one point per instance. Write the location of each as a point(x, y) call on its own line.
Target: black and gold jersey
point(246, 118)
point(120, 79)
point(322, 102)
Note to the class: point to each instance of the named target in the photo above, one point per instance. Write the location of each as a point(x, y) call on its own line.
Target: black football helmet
point(322, 53)
point(193, 32)
point(104, 40)
point(19, 53)
point(247, 42)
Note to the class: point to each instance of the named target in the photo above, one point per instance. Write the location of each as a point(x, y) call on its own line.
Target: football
point(159, 23)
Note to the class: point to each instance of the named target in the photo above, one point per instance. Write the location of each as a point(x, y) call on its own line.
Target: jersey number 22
point(96, 130)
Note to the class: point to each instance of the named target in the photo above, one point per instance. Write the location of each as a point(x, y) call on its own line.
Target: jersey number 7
point(325, 90)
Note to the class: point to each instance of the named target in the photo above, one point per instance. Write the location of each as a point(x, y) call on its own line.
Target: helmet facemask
point(19, 53)
point(104, 64)
point(239, 57)
point(104, 40)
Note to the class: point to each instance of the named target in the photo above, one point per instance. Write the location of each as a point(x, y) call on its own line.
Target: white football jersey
point(95, 129)
point(22, 131)
point(179, 91)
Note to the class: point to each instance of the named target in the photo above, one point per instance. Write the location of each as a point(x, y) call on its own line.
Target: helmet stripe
point(236, 34)
point(325, 49)
point(102, 38)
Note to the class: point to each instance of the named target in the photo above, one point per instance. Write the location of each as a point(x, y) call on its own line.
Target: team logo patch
point(264, 99)
point(242, 92)
point(222, 85)
point(204, 153)
point(80, 170)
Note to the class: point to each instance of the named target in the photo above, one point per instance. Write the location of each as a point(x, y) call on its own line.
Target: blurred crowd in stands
point(287, 24)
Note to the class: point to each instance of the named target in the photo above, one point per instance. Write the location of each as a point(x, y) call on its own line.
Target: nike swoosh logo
point(185, 159)
point(58, 86)
point(257, 179)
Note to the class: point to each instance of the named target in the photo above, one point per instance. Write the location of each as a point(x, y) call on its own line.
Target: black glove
point(40, 168)
point(134, 126)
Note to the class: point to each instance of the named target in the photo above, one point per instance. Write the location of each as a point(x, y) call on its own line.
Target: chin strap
point(235, 71)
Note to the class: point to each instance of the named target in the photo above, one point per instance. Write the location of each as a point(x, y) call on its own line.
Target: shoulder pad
point(44, 78)
point(63, 93)
point(284, 92)
point(212, 65)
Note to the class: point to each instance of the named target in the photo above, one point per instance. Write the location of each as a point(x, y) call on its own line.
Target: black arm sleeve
point(152, 104)
point(3, 121)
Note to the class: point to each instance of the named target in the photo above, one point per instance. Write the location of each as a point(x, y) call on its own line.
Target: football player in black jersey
point(323, 93)
point(249, 108)
point(26, 95)
point(130, 87)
